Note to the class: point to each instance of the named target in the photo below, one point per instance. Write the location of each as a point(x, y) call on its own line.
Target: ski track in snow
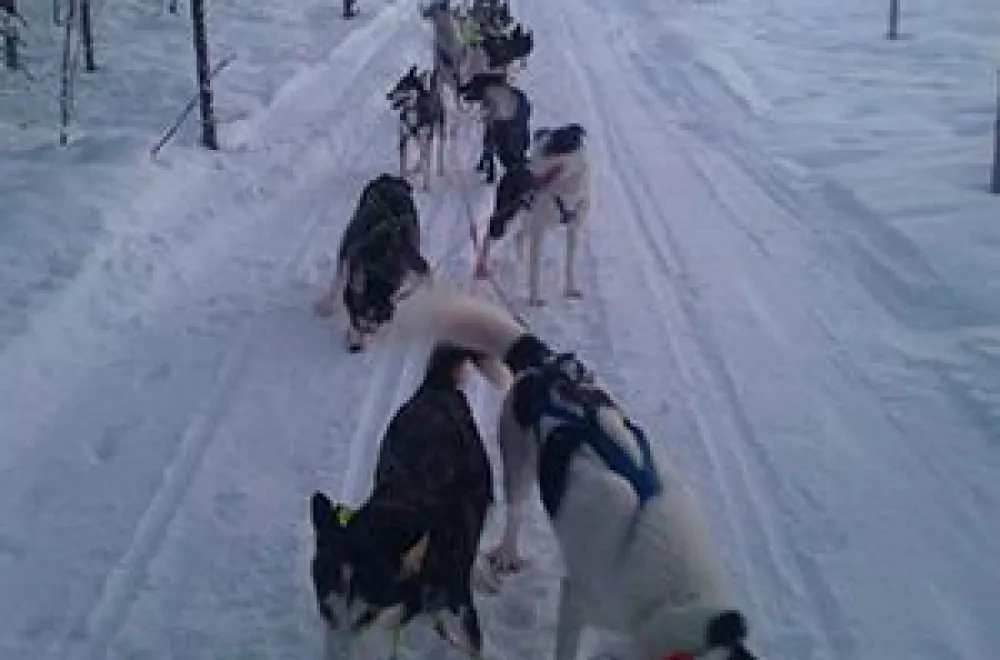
point(182, 400)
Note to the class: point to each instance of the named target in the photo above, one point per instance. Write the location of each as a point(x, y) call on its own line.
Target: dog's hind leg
point(569, 622)
point(441, 137)
point(425, 147)
point(535, 235)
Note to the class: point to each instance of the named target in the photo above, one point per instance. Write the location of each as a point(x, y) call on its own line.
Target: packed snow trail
point(170, 415)
point(851, 493)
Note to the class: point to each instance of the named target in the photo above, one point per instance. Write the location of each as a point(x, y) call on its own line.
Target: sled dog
point(639, 558)
point(551, 190)
point(379, 252)
point(409, 550)
point(417, 98)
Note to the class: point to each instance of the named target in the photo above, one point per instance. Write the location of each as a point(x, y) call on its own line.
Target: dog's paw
point(503, 561)
point(355, 343)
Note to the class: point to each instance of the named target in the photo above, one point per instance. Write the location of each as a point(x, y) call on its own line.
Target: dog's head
point(358, 582)
point(368, 301)
point(562, 140)
point(504, 49)
point(407, 90)
point(376, 274)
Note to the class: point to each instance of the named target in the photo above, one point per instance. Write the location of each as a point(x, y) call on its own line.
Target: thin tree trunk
point(187, 109)
point(209, 138)
point(66, 77)
point(9, 9)
point(893, 19)
point(995, 180)
point(87, 35)
point(56, 12)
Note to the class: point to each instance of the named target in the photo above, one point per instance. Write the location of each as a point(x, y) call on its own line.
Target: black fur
point(505, 138)
point(527, 351)
point(432, 479)
point(503, 50)
point(513, 193)
point(381, 246)
point(562, 140)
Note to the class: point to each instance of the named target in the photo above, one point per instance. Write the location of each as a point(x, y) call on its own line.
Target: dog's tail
point(445, 357)
point(445, 315)
point(701, 630)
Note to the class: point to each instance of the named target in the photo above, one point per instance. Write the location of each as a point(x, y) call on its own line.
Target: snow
point(791, 283)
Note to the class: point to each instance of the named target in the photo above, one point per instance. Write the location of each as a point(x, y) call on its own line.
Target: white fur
point(457, 317)
point(573, 188)
point(651, 573)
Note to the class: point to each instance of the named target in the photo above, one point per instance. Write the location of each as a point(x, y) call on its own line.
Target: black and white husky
point(409, 551)
point(639, 559)
point(379, 252)
point(551, 190)
point(417, 98)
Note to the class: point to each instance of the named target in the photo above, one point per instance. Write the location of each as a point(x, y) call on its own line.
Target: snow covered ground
point(791, 282)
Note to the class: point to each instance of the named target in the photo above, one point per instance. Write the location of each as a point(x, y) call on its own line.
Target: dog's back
point(386, 204)
point(413, 543)
point(649, 568)
point(432, 452)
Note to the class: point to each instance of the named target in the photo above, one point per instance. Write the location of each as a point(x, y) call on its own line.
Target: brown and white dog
point(639, 558)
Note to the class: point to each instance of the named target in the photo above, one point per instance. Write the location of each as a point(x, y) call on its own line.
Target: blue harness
point(574, 430)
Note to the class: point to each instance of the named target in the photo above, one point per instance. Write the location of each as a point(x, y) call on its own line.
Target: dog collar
point(343, 513)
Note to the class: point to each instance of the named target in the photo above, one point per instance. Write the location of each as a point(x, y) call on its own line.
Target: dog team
point(638, 557)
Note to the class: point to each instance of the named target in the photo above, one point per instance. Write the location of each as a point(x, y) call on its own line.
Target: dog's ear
point(321, 511)
point(413, 559)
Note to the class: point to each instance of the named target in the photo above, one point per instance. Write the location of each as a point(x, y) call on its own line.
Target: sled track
point(110, 610)
point(659, 254)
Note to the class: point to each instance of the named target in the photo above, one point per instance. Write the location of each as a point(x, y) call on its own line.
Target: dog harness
point(569, 429)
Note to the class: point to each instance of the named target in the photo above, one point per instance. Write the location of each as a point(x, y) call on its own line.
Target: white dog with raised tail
point(639, 558)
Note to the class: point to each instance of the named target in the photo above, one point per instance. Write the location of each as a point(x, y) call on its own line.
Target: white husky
point(638, 557)
point(551, 191)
